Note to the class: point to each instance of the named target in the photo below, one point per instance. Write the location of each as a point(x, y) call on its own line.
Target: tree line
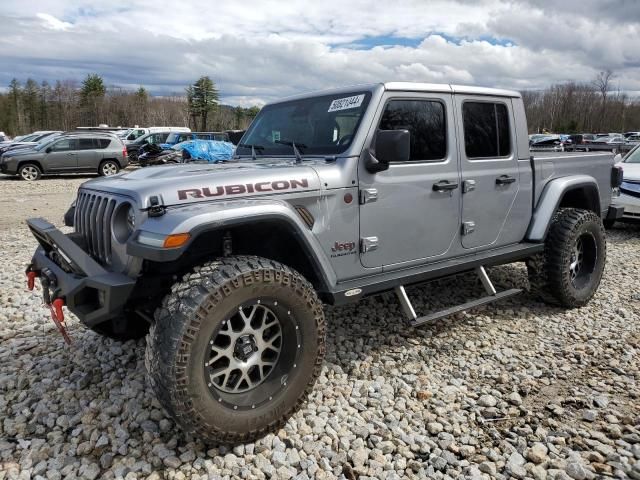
point(67, 104)
point(570, 107)
point(582, 107)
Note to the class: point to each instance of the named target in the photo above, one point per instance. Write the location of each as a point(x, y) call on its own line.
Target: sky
point(260, 50)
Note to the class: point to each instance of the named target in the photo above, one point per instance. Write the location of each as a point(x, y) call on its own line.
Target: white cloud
point(260, 50)
point(49, 21)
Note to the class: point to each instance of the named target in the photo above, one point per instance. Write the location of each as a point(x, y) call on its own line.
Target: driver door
point(62, 156)
point(412, 209)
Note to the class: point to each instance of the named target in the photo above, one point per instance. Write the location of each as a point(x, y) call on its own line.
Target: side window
point(85, 144)
point(486, 129)
point(63, 145)
point(425, 121)
point(102, 142)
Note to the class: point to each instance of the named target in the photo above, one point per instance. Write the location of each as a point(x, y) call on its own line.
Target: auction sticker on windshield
point(346, 103)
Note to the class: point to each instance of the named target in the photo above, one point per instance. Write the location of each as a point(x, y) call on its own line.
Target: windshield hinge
point(155, 209)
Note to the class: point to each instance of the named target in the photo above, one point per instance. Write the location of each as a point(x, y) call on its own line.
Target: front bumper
point(66, 271)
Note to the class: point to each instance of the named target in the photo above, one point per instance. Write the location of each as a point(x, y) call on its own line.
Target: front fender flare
point(197, 219)
point(550, 200)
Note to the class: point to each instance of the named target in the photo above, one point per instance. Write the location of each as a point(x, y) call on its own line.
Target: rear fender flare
point(551, 198)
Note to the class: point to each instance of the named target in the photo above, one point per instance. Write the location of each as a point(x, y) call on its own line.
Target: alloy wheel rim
point(245, 350)
point(29, 173)
point(109, 169)
point(583, 260)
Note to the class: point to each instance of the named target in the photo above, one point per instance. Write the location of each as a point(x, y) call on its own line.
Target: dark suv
point(156, 138)
point(101, 153)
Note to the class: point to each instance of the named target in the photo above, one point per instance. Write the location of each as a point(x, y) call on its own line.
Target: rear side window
point(486, 129)
point(85, 144)
point(426, 124)
point(102, 142)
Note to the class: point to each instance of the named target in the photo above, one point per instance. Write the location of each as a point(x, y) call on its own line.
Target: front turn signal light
point(176, 240)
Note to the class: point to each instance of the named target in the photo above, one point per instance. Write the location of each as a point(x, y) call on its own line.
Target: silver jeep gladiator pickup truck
point(331, 197)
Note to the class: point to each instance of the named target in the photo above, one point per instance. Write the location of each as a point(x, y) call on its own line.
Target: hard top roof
point(409, 87)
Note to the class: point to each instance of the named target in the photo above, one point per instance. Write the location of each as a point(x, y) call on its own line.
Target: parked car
point(177, 137)
point(579, 141)
point(101, 153)
point(630, 188)
point(135, 133)
point(30, 141)
point(630, 134)
point(611, 142)
point(133, 148)
point(333, 197)
point(547, 142)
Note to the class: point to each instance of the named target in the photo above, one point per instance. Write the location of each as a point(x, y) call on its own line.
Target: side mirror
point(48, 150)
point(391, 146)
point(617, 158)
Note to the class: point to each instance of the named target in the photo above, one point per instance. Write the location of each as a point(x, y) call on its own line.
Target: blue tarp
point(210, 150)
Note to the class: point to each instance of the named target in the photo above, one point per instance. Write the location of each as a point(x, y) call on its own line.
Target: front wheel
point(236, 348)
point(30, 172)
point(569, 270)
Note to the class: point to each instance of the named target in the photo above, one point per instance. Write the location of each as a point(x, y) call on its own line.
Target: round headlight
point(131, 219)
point(124, 222)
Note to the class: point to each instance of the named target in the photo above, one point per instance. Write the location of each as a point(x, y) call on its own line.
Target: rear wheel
point(236, 348)
point(108, 168)
point(30, 172)
point(569, 270)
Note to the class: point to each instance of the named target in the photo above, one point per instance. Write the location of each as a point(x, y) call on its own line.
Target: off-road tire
point(108, 168)
point(196, 308)
point(30, 172)
point(129, 326)
point(549, 272)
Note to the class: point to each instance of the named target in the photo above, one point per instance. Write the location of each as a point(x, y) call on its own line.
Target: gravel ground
point(517, 389)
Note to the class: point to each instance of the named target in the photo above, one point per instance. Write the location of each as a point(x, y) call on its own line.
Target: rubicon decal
point(240, 189)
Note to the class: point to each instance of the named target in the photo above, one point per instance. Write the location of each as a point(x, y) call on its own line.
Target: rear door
point(489, 166)
point(88, 156)
point(62, 156)
point(412, 210)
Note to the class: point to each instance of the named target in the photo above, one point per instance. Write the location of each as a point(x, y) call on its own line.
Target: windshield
point(322, 125)
point(27, 138)
point(177, 137)
point(633, 156)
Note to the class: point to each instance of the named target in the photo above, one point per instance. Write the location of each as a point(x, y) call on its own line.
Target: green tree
point(92, 88)
point(202, 99)
point(15, 107)
point(30, 95)
point(45, 98)
point(92, 93)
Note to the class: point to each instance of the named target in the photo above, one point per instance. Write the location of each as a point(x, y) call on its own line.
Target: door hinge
point(468, 186)
point(468, 227)
point(368, 244)
point(368, 195)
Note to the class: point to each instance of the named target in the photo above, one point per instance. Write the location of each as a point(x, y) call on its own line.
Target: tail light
point(124, 152)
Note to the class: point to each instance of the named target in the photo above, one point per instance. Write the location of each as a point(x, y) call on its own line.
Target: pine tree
point(202, 99)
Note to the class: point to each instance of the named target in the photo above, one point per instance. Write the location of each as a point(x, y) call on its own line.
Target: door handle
point(505, 180)
point(444, 186)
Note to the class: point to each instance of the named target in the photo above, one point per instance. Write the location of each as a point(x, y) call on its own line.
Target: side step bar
point(492, 296)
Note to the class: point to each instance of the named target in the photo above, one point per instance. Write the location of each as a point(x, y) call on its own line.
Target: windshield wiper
point(252, 147)
point(296, 152)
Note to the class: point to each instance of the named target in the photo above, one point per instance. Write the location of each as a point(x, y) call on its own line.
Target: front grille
point(93, 221)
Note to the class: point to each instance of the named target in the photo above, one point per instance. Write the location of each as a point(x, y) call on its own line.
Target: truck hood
point(631, 171)
point(182, 184)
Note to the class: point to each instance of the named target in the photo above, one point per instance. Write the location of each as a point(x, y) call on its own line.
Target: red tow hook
point(31, 279)
point(57, 315)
